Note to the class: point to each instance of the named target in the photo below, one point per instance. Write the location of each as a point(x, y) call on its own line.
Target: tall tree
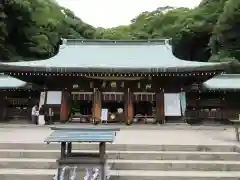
point(225, 41)
point(210, 31)
point(32, 29)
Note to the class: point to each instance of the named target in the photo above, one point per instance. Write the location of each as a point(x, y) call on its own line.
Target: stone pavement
point(135, 134)
point(169, 160)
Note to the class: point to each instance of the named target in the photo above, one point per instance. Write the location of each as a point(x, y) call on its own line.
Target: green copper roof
point(7, 82)
point(113, 56)
point(223, 82)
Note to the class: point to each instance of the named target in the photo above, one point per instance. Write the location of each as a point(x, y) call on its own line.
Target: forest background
point(210, 32)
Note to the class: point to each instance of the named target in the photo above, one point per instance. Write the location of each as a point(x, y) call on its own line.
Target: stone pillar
point(97, 106)
point(128, 107)
point(160, 115)
point(65, 106)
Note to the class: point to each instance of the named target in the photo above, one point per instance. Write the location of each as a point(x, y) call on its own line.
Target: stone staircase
point(127, 162)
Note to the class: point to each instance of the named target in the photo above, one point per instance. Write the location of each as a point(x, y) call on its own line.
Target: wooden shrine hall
point(16, 98)
point(106, 73)
point(216, 100)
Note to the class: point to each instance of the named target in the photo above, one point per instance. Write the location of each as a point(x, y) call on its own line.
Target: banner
point(172, 106)
point(42, 98)
point(104, 115)
point(183, 102)
point(54, 97)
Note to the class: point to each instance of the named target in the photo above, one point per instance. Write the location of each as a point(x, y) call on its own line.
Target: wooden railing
point(18, 113)
point(212, 114)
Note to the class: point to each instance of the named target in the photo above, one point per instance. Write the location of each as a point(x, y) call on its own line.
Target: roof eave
point(219, 89)
point(22, 69)
point(207, 87)
point(24, 86)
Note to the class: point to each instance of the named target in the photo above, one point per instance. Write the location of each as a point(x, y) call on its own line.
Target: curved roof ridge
point(113, 40)
point(106, 56)
point(10, 82)
point(229, 75)
point(226, 76)
point(169, 47)
point(66, 42)
point(223, 82)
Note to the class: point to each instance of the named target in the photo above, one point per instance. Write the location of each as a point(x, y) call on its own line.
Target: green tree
point(33, 29)
point(225, 41)
point(208, 32)
point(120, 32)
point(191, 41)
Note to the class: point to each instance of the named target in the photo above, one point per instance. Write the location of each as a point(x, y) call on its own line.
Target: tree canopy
point(205, 33)
point(209, 32)
point(33, 28)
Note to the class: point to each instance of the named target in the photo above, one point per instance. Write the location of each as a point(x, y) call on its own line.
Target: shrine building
point(216, 100)
point(16, 98)
point(104, 74)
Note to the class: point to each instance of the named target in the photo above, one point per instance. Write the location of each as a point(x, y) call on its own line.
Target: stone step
point(127, 155)
point(123, 147)
point(46, 174)
point(117, 164)
point(174, 165)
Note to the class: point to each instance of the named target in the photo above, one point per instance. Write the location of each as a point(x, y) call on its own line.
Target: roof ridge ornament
point(168, 45)
point(107, 41)
point(64, 43)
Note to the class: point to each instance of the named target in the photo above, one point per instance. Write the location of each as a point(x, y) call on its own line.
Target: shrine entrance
point(81, 106)
point(113, 102)
point(144, 107)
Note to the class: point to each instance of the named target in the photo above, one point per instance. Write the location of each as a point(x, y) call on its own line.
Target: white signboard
point(54, 97)
point(42, 98)
point(41, 120)
point(104, 115)
point(172, 104)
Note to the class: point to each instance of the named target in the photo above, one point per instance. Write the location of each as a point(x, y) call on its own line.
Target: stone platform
point(167, 152)
point(135, 134)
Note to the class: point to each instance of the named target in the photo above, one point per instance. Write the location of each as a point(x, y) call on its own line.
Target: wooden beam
point(97, 106)
point(128, 107)
point(65, 106)
point(3, 107)
point(160, 114)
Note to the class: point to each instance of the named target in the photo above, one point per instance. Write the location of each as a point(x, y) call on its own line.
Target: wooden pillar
point(102, 153)
point(65, 106)
point(97, 106)
point(128, 107)
point(160, 115)
point(3, 107)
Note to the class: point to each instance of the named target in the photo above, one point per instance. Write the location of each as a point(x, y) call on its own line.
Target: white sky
point(111, 13)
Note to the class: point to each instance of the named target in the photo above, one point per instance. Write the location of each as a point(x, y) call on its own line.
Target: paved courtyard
point(135, 134)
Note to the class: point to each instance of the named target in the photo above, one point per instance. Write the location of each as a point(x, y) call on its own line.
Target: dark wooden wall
point(221, 106)
point(17, 104)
